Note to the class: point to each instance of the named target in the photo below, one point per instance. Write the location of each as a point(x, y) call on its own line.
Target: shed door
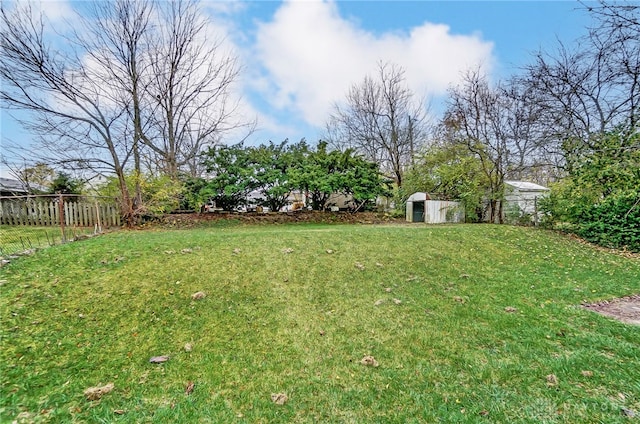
point(418, 212)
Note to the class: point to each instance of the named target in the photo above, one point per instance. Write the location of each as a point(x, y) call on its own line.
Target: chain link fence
point(32, 222)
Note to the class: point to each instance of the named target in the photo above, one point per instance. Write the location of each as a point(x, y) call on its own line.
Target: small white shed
point(420, 208)
point(524, 195)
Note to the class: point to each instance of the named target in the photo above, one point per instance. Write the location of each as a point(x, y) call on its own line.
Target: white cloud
point(311, 55)
point(229, 7)
point(57, 11)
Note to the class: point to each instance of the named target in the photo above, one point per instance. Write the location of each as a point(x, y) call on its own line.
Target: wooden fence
point(49, 211)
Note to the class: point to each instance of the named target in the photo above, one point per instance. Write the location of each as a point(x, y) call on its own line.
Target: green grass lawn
point(19, 238)
point(282, 315)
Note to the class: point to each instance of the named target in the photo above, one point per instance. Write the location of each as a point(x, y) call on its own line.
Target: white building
point(420, 208)
point(522, 197)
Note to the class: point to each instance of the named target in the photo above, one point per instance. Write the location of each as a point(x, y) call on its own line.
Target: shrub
point(600, 199)
point(613, 222)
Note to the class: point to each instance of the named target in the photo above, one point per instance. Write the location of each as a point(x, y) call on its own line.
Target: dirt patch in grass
point(625, 309)
point(192, 219)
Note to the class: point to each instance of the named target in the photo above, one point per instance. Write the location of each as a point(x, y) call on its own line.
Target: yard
point(19, 238)
point(466, 323)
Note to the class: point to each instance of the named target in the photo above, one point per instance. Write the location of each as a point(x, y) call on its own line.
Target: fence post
point(62, 218)
point(98, 216)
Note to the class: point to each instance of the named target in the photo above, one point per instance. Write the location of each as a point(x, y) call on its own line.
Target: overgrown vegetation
point(467, 324)
point(448, 172)
point(600, 200)
point(157, 194)
point(275, 171)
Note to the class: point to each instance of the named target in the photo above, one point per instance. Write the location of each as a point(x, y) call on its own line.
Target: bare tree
point(138, 82)
point(380, 120)
point(592, 88)
point(76, 128)
point(33, 177)
point(497, 125)
point(621, 18)
point(527, 157)
point(118, 49)
point(190, 81)
point(475, 118)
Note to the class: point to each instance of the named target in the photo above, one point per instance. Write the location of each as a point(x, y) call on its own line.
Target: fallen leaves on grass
point(369, 361)
point(287, 250)
point(552, 380)
point(359, 266)
point(159, 359)
point(198, 295)
point(329, 251)
point(189, 389)
point(279, 398)
point(397, 301)
point(587, 373)
point(95, 393)
point(459, 299)
point(118, 411)
point(388, 289)
point(188, 347)
point(187, 250)
point(236, 251)
point(510, 309)
point(378, 302)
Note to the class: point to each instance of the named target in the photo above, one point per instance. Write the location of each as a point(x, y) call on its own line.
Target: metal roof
point(15, 186)
point(419, 197)
point(526, 186)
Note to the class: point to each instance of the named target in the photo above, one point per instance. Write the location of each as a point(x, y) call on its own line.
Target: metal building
point(420, 208)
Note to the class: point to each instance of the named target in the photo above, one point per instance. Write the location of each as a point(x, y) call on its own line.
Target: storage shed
point(420, 208)
point(415, 207)
point(524, 196)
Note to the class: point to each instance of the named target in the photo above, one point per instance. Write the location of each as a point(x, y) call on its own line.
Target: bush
point(600, 200)
point(159, 194)
point(613, 222)
point(516, 216)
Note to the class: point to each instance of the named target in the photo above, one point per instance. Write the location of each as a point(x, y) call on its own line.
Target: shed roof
point(419, 197)
point(526, 186)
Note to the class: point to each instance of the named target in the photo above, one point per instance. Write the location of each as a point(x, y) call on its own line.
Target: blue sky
point(300, 57)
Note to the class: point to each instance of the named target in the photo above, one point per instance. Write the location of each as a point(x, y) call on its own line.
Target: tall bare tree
point(139, 80)
point(498, 126)
point(593, 87)
point(380, 120)
point(475, 118)
point(76, 127)
point(190, 83)
point(118, 48)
